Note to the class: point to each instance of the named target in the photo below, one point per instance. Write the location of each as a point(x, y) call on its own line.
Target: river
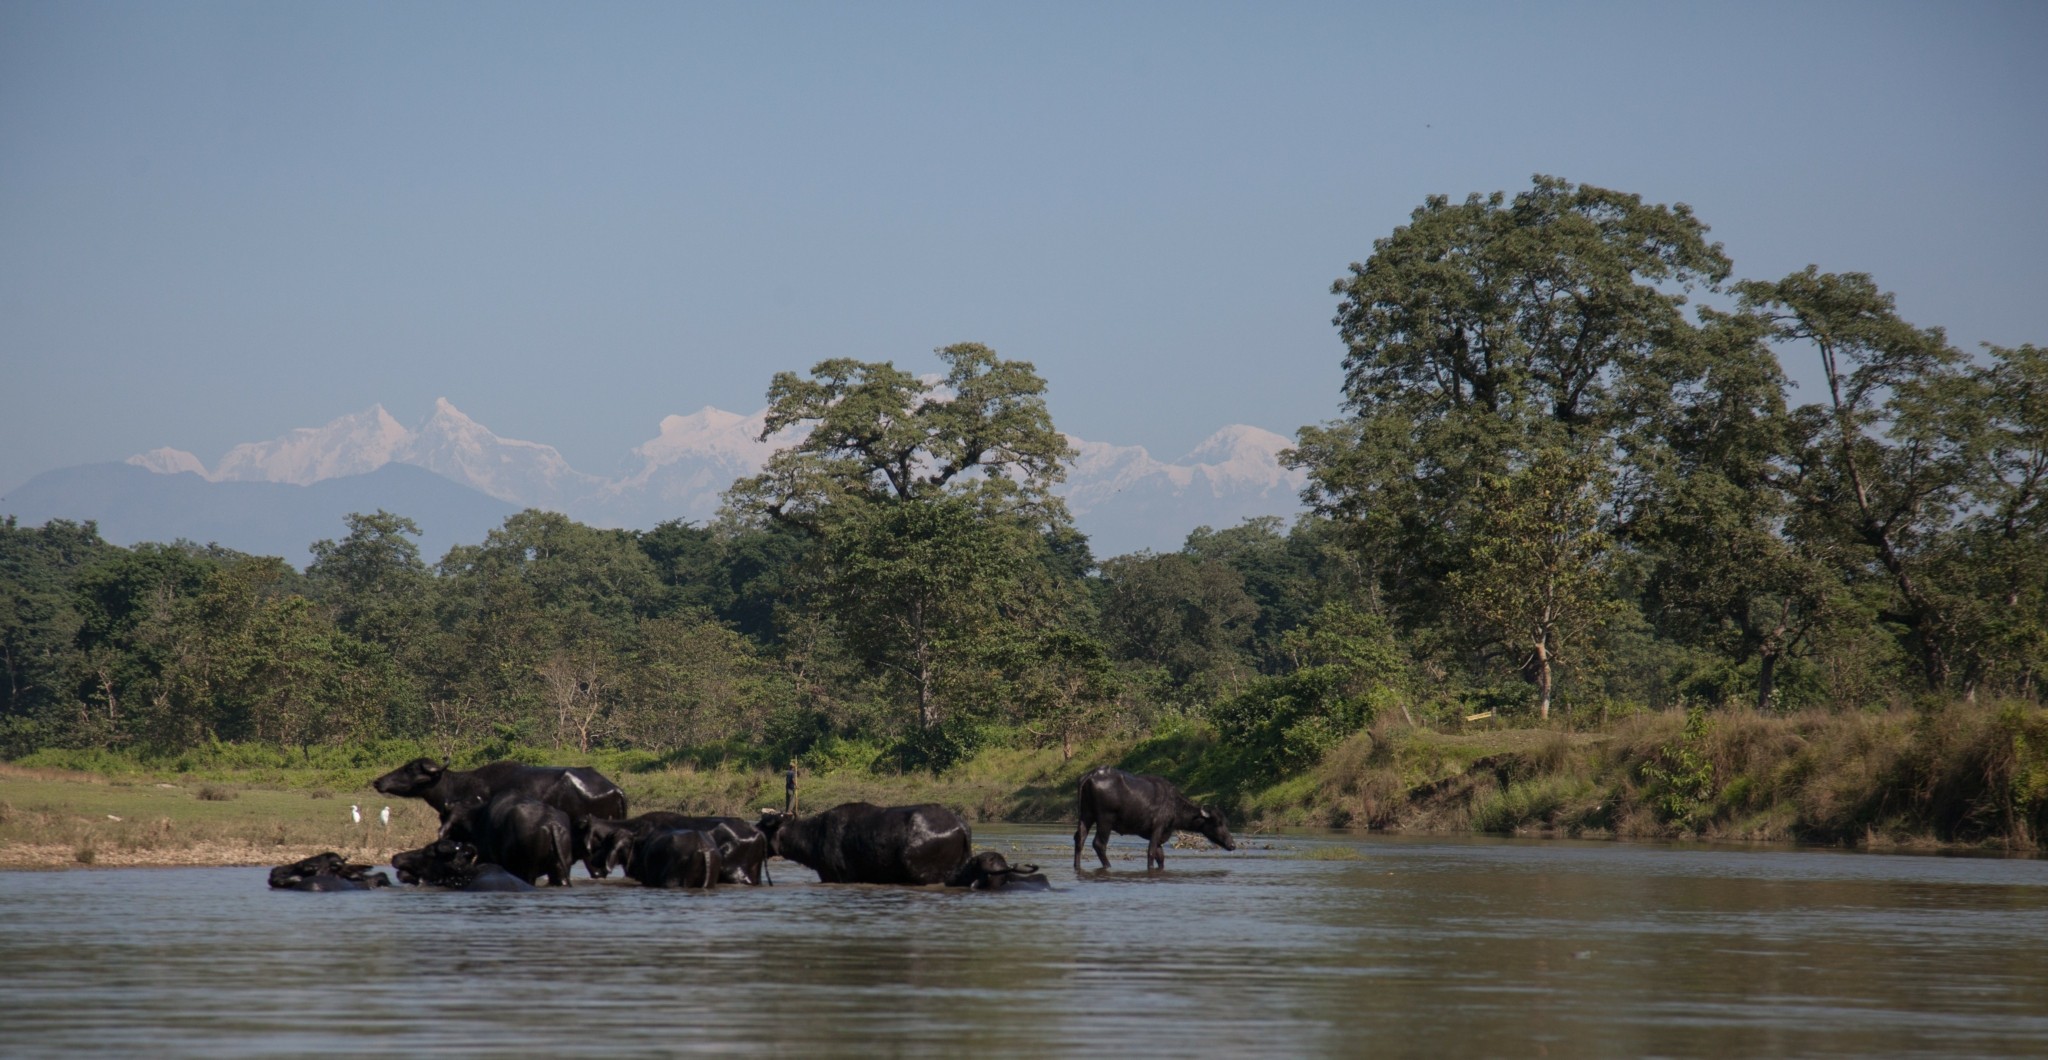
point(1322, 944)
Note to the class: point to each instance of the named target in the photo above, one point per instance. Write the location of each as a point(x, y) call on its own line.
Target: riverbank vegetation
point(1578, 560)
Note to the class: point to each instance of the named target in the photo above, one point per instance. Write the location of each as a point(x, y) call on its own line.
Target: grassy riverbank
point(1964, 775)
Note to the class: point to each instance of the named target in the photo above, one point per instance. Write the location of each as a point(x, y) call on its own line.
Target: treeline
point(1560, 485)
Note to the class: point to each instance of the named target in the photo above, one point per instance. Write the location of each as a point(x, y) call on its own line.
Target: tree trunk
point(1542, 680)
point(1766, 680)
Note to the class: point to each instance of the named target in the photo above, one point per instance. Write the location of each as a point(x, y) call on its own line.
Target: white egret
point(355, 813)
point(384, 816)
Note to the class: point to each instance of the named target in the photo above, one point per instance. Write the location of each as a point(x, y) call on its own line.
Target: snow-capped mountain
point(1121, 496)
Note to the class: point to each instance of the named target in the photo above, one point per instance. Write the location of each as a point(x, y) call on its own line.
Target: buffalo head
point(443, 862)
point(411, 780)
point(1210, 824)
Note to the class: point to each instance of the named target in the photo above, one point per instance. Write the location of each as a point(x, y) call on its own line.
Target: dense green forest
point(1569, 482)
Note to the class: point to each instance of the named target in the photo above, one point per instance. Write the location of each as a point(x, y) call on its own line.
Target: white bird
point(355, 813)
point(384, 816)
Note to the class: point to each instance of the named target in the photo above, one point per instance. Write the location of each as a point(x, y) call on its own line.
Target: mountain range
point(458, 479)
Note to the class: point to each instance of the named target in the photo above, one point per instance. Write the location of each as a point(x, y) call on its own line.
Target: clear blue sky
point(219, 221)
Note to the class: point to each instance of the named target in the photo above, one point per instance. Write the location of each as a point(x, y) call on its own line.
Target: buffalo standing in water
point(1111, 800)
point(682, 857)
point(528, 837)
point(859, 842)
point(575, 790)
point(607, 845)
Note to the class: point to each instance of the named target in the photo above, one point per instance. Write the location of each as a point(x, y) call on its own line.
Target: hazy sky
point(222, 221)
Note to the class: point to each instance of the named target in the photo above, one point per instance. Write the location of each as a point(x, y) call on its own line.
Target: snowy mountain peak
point(169, 461)
point(707, 431)
point(1239, 441)
point(352, 445)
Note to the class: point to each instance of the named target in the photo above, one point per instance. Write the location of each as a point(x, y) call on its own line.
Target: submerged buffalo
point(326, 872)
point(528, 837)
point(454, 865)
point(858, 842)
point(606, 845)
point(990, 871)
point(575, 790)
point(1111, 800)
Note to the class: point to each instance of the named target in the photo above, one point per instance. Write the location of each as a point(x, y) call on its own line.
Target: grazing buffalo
point(575, 790)
point(1112, 800)
point(861, 843)
point(453, 864)
point(990, 871)
point(682, 857)
point(326, 872)
point(528, 837)
point(607, 845)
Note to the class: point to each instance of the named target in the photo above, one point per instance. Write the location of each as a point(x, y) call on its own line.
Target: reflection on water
point(1294, 945)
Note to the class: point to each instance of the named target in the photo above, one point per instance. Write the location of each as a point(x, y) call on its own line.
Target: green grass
point(1962, 774)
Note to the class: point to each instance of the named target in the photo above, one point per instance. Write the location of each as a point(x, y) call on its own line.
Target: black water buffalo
point(857, 842)
point(606, 845)
point(326, 872)
point(1111, 800)
point(528, 837)
point(683, 857)
point(575, 790)
point(990, 871)
point(454, 864)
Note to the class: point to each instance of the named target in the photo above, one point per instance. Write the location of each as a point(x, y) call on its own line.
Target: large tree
point(1490, 337)
point(1883, 463)
point(1482, 332)
point(931, 502)
point(872, 431)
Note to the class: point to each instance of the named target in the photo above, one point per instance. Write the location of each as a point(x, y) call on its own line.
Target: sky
point(222, 221)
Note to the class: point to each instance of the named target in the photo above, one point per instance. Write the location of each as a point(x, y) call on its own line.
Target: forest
point(1570, 484)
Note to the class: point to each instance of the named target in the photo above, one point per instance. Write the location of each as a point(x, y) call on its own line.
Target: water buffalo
point(454, 864)
point(528, 837)
point(857, 842)
point(1111, 800)
point(606, 845)
point(575, 790)
point(990, 871)
point(326, 872)
point(682, 857)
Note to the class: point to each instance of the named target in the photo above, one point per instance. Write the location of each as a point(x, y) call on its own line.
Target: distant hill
point(133, 504)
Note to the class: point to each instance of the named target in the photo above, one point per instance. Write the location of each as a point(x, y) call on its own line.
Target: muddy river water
point(1300, 944)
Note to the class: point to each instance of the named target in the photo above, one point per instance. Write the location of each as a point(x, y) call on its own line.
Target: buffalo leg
point(1155, 853)
point(1080, 836)
point(1102, 843)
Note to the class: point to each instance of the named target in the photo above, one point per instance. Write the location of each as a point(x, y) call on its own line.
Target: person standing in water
point(789, 789)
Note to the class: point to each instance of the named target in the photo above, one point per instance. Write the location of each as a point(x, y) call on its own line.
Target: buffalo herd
point(506, 827)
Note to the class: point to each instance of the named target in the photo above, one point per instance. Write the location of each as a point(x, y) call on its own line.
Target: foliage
point(1556, 482)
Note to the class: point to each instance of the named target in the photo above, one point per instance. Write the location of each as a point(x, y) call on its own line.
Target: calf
point(528, 837)
point(453, 864)
point(990, 871)
point(326, 872)
point(1111, 800)
point(575, 790)
point(858, 842)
